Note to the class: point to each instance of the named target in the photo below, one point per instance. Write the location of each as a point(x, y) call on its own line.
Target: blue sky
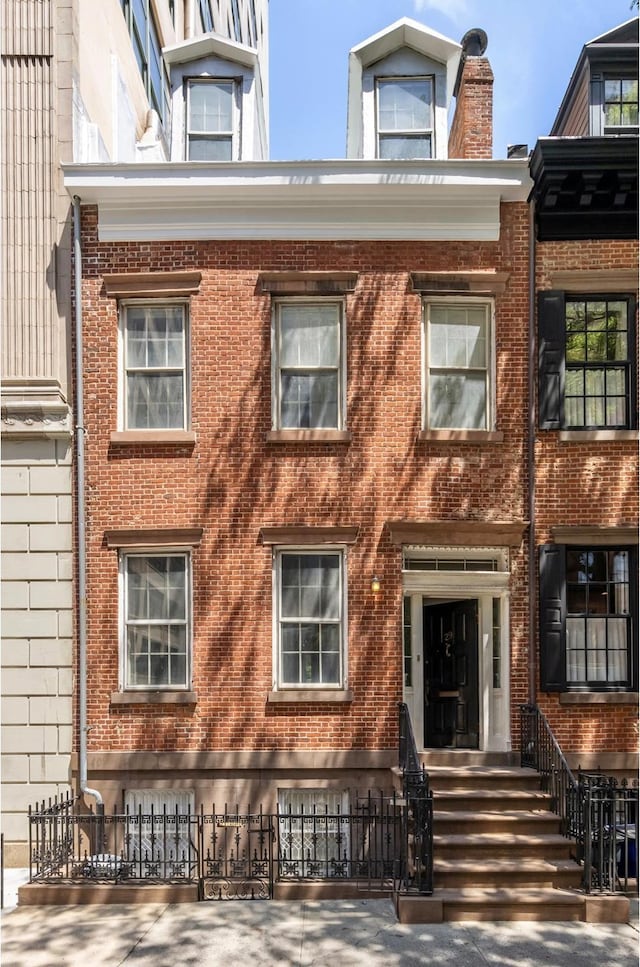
point(533, 48)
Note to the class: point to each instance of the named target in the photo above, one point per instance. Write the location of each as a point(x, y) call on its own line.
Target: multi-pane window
point(307, 365)
point(596, 389)
point(405, 117)
point(156, 625)
point(147, 48)
point(620, 102)
point(588, 618)
point(458, 345)
point(310, 618)
point(598, 624)
point(154, 367)
point(211, 120)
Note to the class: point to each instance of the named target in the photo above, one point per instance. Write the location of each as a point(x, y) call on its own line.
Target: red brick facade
point(233, 482)
point(587, 483)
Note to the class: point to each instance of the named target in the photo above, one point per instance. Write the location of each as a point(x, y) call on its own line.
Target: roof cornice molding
point(436, 200)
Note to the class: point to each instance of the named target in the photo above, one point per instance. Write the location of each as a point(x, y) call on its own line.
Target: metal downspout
point(531, 459)
point(81, 517)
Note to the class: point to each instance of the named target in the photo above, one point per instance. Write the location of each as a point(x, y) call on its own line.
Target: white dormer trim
point(210, 45)
point(211, 57)
point(404, 33)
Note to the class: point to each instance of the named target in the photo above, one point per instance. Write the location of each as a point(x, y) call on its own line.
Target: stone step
point(504, 845)
point(457, 758)
point(517, 872)
point(519, 821)
point(484, 800)
point(482, 778)
point(536, 904)
point(487, 903)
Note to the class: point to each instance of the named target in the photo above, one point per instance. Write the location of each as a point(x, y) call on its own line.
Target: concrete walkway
point(360, 933)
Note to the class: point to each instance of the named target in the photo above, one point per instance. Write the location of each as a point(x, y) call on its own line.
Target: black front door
point(451, 675)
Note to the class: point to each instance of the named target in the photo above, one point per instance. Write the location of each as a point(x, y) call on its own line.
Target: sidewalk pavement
point(331, 933)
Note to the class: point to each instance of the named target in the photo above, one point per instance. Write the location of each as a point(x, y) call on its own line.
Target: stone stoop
point(498, 851)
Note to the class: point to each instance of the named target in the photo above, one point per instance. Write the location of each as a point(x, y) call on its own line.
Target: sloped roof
point(626, 33)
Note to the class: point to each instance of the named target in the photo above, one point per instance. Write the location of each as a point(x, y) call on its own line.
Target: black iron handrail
point(418, 798)
point(539, 750)
point(596, 811)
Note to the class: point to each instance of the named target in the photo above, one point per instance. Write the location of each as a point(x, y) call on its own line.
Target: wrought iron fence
point(596, 811)
point(608, 845)
point(366, 844)
point(235, 854)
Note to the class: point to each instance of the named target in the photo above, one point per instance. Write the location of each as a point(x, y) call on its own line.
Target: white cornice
point(434, 200)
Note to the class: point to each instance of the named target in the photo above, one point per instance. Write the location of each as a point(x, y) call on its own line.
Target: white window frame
point(490, 368)
point(124, 369)
point(407, 133)
point(124, 556)
point(140, 802)
point(231, 136)
point(341, 373)
point(313, 837)
point(279, 684)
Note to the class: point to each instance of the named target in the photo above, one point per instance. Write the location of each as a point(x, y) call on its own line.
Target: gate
point(236, 856)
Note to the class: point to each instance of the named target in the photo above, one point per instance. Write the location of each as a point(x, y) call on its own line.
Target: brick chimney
point(471, 134)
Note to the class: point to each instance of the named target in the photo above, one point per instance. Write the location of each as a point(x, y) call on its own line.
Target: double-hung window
point(586, 361)
point(588, 617)
point(308, 357)
point(404, 117)
point(458, 344)
point(596, 392)
point(310, 618)
point(156, 620)
point(212, 120)
point(155, 367)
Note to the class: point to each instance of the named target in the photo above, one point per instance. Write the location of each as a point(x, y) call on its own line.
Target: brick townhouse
point(306, 418)
point(358, 432)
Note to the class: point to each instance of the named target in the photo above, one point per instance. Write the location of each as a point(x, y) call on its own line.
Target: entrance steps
point(498, 851)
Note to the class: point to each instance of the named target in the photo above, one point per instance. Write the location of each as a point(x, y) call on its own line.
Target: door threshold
point(467, 757)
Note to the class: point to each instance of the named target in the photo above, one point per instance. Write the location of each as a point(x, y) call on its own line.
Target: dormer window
point(212, 125)
point(620, 103)
point(405, 117)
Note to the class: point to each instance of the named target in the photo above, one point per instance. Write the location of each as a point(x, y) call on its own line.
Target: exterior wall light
point(375, 584)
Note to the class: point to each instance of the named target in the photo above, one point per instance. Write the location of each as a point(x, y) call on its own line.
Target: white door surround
point(435, 575)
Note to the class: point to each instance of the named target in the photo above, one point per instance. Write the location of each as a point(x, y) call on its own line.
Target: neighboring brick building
point(586, 444)
point(306, 458)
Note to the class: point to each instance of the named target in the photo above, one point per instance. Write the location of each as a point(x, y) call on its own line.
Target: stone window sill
point(154, 698)
point(308, 436)
point(461, 436)
point(599, 698)
point(177, 438)
point(337, 695)
point(598, 436)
